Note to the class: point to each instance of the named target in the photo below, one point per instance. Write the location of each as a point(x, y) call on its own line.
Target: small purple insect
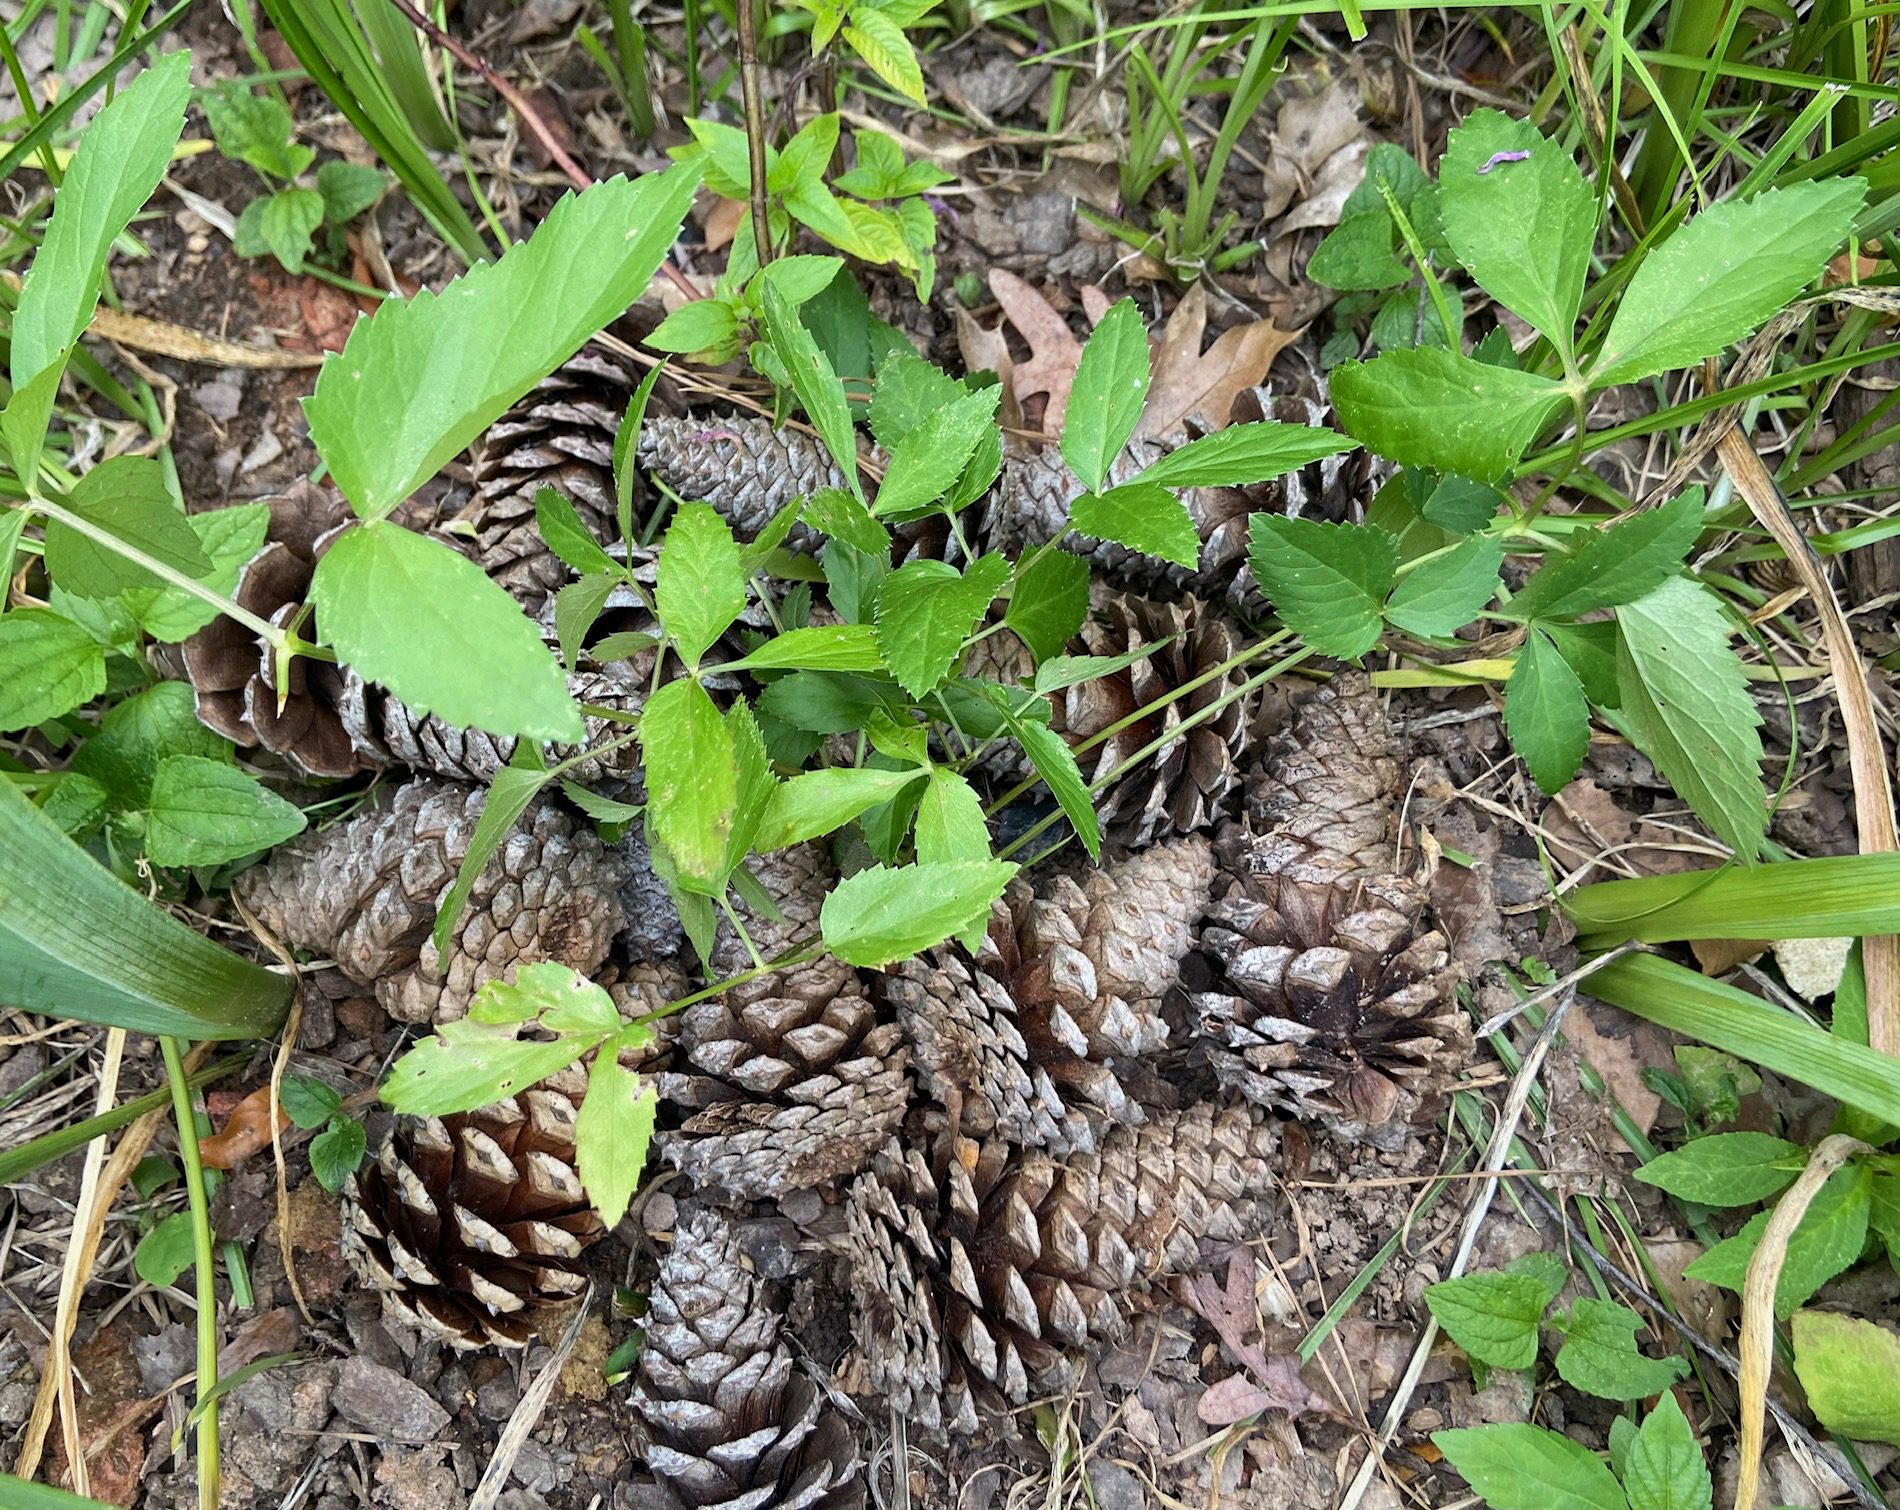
point(1502, 157)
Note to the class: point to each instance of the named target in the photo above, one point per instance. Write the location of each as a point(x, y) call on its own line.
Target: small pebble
point(380, 1400)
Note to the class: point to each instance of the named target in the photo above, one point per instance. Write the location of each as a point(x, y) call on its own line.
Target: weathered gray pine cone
point(724, 1415)
point(739, 464)
point(365, 891)
point(469, 1223)
point(980, 1270)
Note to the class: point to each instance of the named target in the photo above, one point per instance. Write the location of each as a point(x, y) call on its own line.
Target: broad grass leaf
point(1429, 407)
point(121, 158)
point(1442, 595)
point(1599, 1355)
point(48, 666)
point(701, 588)
point(1244, 454)
point(1546, 714)
point(1829, 1239)
point(430, 625)
point(1048, 602)
point(421, 378)
point(1722, 274)
point(1328, 582)
point(128, 498)
point(206, 812)
point(810, 374)
point(1685, 701)
point(1523, 229)
point(1850, 1370)
point(1727, 1169)
point(692, 781)
point(926, 610)
point(1143, 516)
point(1663, 1467)
point(881, 914)
point(612, 1134)
point(1105, 401)
point(815, 803)
point(1520, 1467)
point(1493, 1317)
point(1614, 566)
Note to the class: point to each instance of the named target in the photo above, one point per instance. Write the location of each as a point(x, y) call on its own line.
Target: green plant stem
point(205, 1265)
point(17, 1163)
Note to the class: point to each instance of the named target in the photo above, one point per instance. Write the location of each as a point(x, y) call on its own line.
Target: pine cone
point(1316, 987)
point(559, 436)
point(740, 465)
point(980, 1269)
point(365, 891)
point(470, 1222)
point(725, 1416)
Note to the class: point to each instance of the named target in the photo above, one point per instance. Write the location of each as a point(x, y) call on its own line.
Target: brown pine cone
point(739, 464)
point(365, 891)
point(468, 1223)
point(1316, 985)
point(725, 1417)
point(979, 1270)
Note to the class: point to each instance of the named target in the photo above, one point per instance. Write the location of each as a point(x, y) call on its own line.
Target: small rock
point(1812, 967)
point(661, 1213)
point(1044, 223)
point(219, 400)
point(417, 1480)
point(803, 1206)
point(496, 1400)
point(772, 1245)
point(1116, 1488)
point(21, 1066)
point(165, 1357)
point(379, 1399)
point(542, 1469)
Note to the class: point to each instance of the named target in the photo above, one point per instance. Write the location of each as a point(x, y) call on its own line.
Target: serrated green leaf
point(1244, 454)
point(1328, 582)
point(1590, 651)
point(1829, 1239)
point(1685, 700)
point(460, 358)
point(1048, 602)
point(933, 454)
point(1429, 407)
point(127, 497)
point(702, 587)
point(431, 626)
point(121, 157)
point(1727, 1169)
point(840, 516)
point(468, 1064)
point(337, 1152)
point(881, 914)
point(1143, 516)
point(513, 788)
point(1599, 1354)
point(48, 666)
point(287, 223)
point(820, 802)
point(812, 379)
point(1072, 670)
point(348, 189)
point(1493, 1317)
point(1519, 1467)
point(600, 807)
point(557, 996)
point(1055, 763)
point(950, 824)
point(926, 610)
point(137, 734)
point(1522, 228)
point(908, 391)
point(801, 278)
point(205, 812)
point(308, 1101)
point(1614, 566)
point(1722, 274)
point(1850, 1370)
point(1663, 1468)
point(854, 580)
point(559, 524)
point(612, 1134)
point(77, 803)
point(1546, 714)
point(826, 702)
point(818, 647)
point(1365, 251)
point(805, 157)
point(726, 162)
point(881, 42)
point(692, 781)
point(1444, 594)
point(756, 787)
point(1111, 386)
point(230, 536)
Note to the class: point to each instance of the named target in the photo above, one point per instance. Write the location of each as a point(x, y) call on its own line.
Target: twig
point(754, 99)
point(1556, 988)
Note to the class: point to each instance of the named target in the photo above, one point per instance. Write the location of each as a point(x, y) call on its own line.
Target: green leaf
point(1328, 582)
point(1663, 1468)
point(48, 666)
point(1442, 595)
point(926, 610)
point(612, 1134)
point(80, 944)
point(818, 647)
point(854, 579)
point(844, 518)
point(600, 807)
point(1829, 1239)
point(881, 42)
point(1366, 251)
point(1523, 229)
point(933, 455)
point(287, 223)
point(255, 129)
point(1055, 763)
point(559, 997)
point(1590, 651)
point(1599, 1354)
point(1850, 1369)
point(1494, 1317)
point(626, 439)
point(1519, 1467)
point(1072, 670)
point(468, 1064)
point(348, 189)
point(137, 734)
point(727, 163)
point(1244, 454)
point(1429, 407)
point(1727, 1169)
point(1460, 505)
point(1111, 386)
point(337, 1152)
point(692, 781)
point(1144, 517)
point(950, 824)
point(1048, 602)
point(907, 392)
point(1546, 714)
point(801, 278)
point(1722, 274)
point(230, 536)
point(825, 702)
point(1685, 699)
point(514, 787)
point(165, 1252)
point(559, 525)
point(422, 377)
point(127, 497)
point(881, 915)
point(121, 157)
point(818, 802)
point(577, 607)
point(205, 812)
point(1610, 567)
point(756, 787)
point(23, 426)
point(432, 627)
point(701, 588)
point(805, 158)
point(812, 379)
point(706, 325)
point(308, 1101)
point(21, 1495)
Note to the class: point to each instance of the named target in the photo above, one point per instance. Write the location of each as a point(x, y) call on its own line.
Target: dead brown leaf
point(1619, 1047)
point(1053, 350)
point(1201, 387)
point(1269, 1383)
point(1584, 822)
point(245, 1131)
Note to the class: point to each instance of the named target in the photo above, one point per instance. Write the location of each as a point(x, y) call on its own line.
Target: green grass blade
point(76, 942)
point(18, 1163)
point(1824, 898)
point(1685, 1001)
point(18, 1494)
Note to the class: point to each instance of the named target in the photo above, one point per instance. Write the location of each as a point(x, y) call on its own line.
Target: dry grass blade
point(527, 1414)
point(1873, 791)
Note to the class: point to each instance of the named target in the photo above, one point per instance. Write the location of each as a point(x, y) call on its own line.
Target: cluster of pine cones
point(990, 1152)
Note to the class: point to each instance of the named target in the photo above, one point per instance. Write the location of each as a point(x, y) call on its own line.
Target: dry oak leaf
point(1201, 387)
point(245, 1131)
point(1053, 350)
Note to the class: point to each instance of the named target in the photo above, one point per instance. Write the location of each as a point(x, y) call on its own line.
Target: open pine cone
point(1316, 985)
point(739, 464)
point(725, 1416)
point(979, 1270)
point(468, 1223)
point(366, 890)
